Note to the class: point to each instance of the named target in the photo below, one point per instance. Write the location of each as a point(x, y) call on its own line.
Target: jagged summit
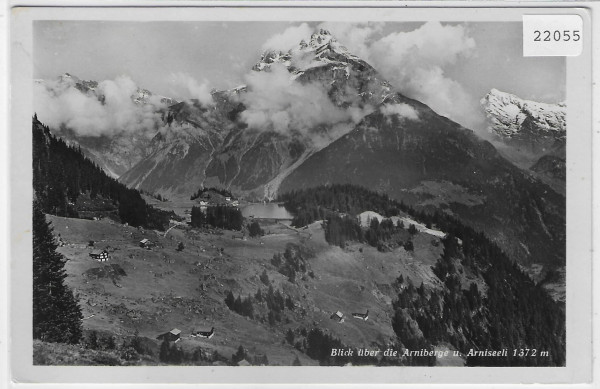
point(322, 48)
point(321, 59)
point(507, 114)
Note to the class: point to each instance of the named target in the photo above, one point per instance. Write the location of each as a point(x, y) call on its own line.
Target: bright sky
point(446, 64)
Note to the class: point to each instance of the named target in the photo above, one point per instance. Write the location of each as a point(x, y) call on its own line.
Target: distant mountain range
point(116, 153)
point(530, 134)
point(386, 142)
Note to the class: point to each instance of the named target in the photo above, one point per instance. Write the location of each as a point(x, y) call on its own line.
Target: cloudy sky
point(448, 66)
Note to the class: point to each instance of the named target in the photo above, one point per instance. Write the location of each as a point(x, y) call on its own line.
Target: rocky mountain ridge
point(530, 134)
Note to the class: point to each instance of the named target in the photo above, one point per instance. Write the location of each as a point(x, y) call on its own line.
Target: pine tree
point(229, 300)
point(296, 362)
point(165, 351)
point(56, 314)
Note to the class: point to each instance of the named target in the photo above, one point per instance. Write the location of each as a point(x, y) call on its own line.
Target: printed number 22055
point(556, 35)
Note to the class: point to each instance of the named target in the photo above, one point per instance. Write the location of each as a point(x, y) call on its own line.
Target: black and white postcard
point(250, 194)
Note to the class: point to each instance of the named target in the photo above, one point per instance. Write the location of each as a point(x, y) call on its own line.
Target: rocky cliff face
point(179, 154)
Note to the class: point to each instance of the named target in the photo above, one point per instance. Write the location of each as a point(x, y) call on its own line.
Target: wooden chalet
point(172, 336)
point(204, 333)
point(361, 316)
point(337, 316)
point(100, 256)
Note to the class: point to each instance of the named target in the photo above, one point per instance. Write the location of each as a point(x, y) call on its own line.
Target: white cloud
point(414, 62)
point(108, 111)
point(402, 110)
point(289, 38)
point(276, 102)
point(356, 37)
point(186, 87)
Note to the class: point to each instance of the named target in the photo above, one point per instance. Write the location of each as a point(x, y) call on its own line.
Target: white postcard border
point(579, 227)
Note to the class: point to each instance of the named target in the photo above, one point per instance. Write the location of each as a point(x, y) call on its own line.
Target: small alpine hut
point(337, 316)
point(100, 256)
point(362, 316)
point(172, 336)
point(204, 333)
point(145, 243)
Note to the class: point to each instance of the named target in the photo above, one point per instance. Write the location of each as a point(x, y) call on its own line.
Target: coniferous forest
point(56, 314)
point(219, 216)
point(513, 312)
point(61, 174)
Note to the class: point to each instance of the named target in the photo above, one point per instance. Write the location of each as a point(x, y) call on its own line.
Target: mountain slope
point(66, 183)
point(530, 134)
point(254, 160)
point(179, 154)
point(435, 163)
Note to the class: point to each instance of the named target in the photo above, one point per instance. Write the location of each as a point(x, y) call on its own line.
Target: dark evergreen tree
point(289, 336)
point(239, 355)
point(264, 278)
point(180, 246)
point(412, 229)
point(165, 351)
point(56, 314)
point(255, 230)
point(230, 300)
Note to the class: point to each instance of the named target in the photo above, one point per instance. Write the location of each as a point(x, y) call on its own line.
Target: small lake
point(266, 211)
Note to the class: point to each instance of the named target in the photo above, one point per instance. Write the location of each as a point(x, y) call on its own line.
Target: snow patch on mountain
point(507, 113)
point(322, 49)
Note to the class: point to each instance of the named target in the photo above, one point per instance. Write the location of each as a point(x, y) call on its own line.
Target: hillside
point(433, 163)
point(146, 292)
point(67, 183)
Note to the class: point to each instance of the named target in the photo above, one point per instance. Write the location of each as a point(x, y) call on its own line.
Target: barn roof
point(144, 240)
point(175, 331)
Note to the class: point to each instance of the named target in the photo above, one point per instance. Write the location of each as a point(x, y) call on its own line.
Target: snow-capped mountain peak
point(322, 48)
point(507, 113)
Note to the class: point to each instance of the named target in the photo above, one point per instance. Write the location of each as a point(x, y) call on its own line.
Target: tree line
point(61, 173)
point(201, 191)
point(218, 216)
